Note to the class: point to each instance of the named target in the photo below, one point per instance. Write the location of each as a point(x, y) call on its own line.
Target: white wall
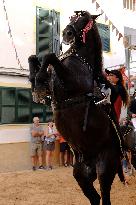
point(14, 81)
point(22, 21)
point(20, 14)
point(14, 134)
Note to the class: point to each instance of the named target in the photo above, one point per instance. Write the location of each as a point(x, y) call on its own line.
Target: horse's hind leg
point(106, 172)
point(85, 176)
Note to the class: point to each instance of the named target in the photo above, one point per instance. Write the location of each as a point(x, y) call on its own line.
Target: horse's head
point(80, 24)
point(40, 90)
point(73, 74)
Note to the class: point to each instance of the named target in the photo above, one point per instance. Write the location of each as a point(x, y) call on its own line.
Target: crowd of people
point(43, 146)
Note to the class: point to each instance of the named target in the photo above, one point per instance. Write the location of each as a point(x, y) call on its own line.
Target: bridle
point(82, 33)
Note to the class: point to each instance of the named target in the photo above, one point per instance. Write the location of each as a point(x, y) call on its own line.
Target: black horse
point(79, 113)
point(129, 136)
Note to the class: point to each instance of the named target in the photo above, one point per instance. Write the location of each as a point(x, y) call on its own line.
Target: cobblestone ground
point(56, 187)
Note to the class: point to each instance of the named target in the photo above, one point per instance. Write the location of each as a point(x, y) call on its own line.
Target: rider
point(118, 97)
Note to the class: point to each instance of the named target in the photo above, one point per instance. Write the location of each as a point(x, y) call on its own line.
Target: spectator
point(50, 134)
point(64, 150)
point(36, 143)
point(132, 107)
point(132, 110)
point(132, 114)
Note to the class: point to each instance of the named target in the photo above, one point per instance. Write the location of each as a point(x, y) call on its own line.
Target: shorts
point(64, 146)
point(36, 148)
point(49, 146)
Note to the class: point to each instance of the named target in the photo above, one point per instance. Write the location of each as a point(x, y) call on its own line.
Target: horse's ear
point(94, 17)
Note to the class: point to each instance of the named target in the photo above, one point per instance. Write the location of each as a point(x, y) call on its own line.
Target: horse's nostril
point(69, 33)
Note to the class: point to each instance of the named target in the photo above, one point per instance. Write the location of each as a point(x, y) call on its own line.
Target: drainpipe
point(127, 56)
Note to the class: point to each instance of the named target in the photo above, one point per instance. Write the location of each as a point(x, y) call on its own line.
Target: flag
point(102, 12)
point(113, 27)
point(106, 18)
point(110, 23)
point(93, 1)
point(117, 32)
point(97, 6)
point(120, 36)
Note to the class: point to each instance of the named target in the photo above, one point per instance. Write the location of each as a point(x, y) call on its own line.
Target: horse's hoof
point(33, 59)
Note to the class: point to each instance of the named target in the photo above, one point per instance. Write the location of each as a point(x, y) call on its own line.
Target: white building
point(27, 27)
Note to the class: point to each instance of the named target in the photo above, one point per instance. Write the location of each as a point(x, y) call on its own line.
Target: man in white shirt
point(36, 143)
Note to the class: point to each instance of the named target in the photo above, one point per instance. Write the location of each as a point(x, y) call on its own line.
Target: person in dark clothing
point(119, 95)
point(132, 107)
point(132, 115)
point(118, 98)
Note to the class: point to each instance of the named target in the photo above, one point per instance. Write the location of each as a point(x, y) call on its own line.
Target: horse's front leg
point(34, 67)
point(85, 176)
point(49, 59)
point(43, 75)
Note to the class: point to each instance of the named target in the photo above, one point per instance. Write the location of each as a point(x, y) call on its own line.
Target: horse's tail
point(120, 173)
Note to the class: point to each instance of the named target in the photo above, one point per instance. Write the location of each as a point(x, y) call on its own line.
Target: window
point(47, 32)
point(16, 106)
point(129, 4)
point(104, 32)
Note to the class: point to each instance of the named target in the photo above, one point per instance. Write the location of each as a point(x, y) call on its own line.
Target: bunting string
point(11, 36)
point(118, 34)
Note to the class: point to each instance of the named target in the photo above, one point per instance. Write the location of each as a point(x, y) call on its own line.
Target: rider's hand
point(133, 115)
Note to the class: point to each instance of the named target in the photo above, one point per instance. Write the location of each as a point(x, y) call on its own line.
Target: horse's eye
point(69, 33)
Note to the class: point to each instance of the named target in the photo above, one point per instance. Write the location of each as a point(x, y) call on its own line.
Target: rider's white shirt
point(134, 122)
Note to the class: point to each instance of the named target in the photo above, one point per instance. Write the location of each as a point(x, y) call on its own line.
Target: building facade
point(35, 27)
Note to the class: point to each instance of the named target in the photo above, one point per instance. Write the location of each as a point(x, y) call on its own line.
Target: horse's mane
point(98, 61)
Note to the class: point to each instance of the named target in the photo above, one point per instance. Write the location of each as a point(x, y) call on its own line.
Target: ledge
point(14, 72)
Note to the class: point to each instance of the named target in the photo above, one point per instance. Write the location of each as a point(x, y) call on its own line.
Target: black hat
point(117, 73)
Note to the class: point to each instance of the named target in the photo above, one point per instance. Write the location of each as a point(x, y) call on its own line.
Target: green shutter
point(56, 32)
point(104, 32)
point(47, 32)
point(16, 106)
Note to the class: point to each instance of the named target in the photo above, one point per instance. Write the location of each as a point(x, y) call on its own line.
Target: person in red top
point(119, 95)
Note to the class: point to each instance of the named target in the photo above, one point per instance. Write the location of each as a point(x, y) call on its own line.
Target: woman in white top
point(49, 143)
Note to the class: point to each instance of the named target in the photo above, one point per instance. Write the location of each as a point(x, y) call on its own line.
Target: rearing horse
point(79, 113)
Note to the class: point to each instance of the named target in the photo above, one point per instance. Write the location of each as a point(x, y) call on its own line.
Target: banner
point(107, 19)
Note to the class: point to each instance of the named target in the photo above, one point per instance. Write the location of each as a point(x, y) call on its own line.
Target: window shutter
point(104, 32)
point(47, 32)
point(56, 32)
